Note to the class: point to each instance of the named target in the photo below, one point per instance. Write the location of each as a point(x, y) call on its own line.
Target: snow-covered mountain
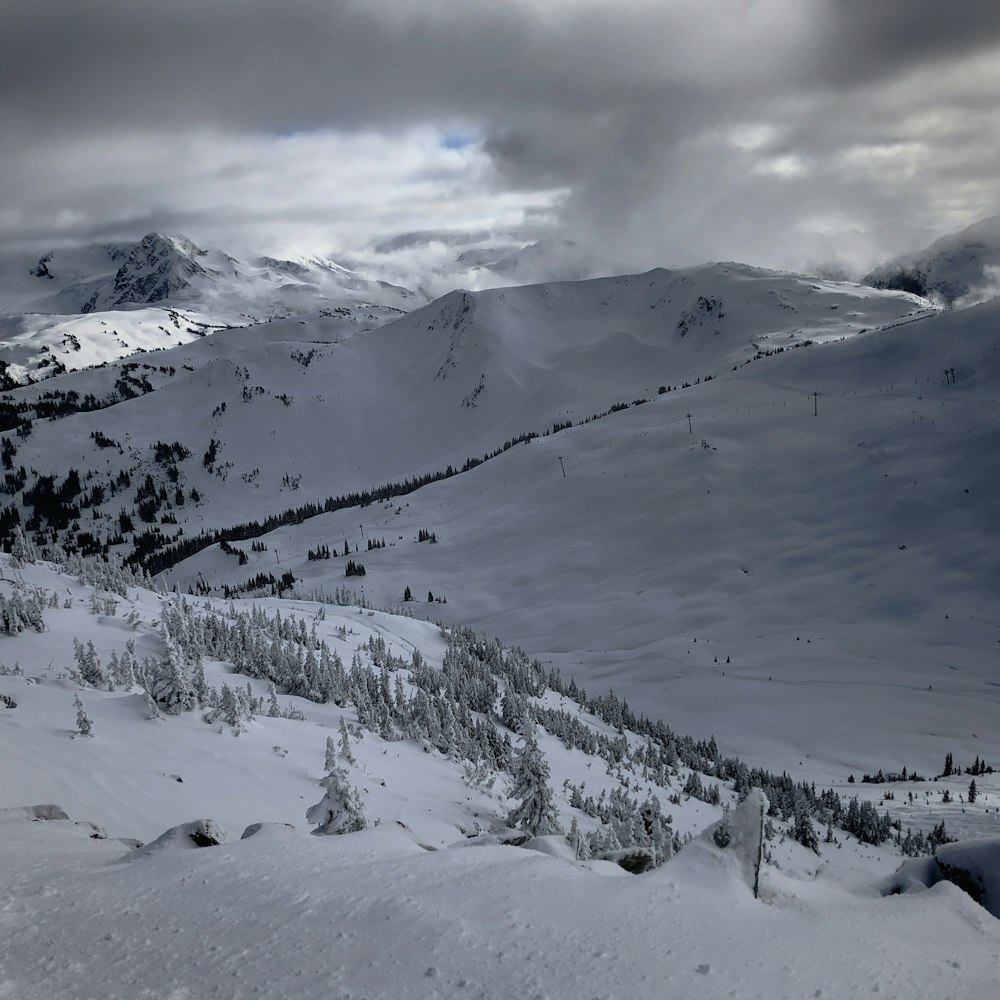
point(960, 269)
point(447, 382)
point(173, 270)
point(267, 429)
point(752, 504)
point(74, 308)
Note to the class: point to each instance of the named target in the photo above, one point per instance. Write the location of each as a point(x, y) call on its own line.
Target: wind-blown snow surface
point(372, 915)
point(395, 911)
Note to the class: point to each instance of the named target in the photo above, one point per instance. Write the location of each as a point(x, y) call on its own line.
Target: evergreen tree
point(21, 550)
point(345, 743)
point(273, 708)
point(88, 664)
point(83, 724)
point(973, 791)
point(167, 678)
point(805, 833)
point(340, 809)
point(536, 811)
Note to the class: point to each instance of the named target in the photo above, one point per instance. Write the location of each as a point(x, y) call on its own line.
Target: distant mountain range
point(164, 269)
point(76, 307)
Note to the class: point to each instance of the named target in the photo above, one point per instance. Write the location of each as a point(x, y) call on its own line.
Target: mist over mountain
point(960, 269)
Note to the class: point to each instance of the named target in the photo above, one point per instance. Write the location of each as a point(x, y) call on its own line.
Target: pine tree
point(273, 708)
point(345, 743)
point(340, 809)
point(330, 762)
point(804, 832)
point(168, 680)
point(21, 551)
point(949, 765)
point(536, 811)
point(88, 663)
point(83, 724)
point(973, 791)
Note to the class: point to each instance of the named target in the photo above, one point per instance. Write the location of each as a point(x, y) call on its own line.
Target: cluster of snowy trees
point(626, 822)
point(24, 609)
point(467, 710)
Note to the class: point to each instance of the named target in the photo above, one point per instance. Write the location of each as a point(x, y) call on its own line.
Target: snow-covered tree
point(152, 709)
point(345, 743)
point(805, 833)
point(340, 809)
point(88, 664)
point(21, 550)
point(167, 679)
point(273, 708)
point(83, 723)
point(536, 811)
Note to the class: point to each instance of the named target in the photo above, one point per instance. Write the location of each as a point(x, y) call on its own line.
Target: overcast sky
point(649, 131)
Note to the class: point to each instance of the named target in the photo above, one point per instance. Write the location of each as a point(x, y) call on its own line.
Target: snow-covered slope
point(423, 904)
point(818, 591)
point(650, 540)
point(723, 570)
point(961, 268)
point(451, 381)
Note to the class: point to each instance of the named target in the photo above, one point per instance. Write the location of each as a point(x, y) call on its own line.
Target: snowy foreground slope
point(399, 910)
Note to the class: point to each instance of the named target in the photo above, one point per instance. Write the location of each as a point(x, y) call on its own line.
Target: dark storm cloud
point(861, 41)
point(661, 129)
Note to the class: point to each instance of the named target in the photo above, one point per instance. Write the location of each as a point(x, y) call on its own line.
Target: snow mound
point(197, 833)
point(731, 844)
point(39, 812)
point(972, 865)
point(554, 845)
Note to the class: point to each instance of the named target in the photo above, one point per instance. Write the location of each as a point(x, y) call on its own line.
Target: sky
point(400, 133)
